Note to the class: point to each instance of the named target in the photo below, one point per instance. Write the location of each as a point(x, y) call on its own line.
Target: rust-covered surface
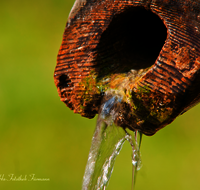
point(147, 52)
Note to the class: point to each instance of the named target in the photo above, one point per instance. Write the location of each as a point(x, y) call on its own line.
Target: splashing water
point(107, 142)
point(135, 142)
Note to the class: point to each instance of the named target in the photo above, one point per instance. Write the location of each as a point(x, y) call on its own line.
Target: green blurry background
point(40, 135)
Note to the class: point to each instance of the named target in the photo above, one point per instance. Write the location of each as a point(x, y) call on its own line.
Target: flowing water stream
point(107, 142)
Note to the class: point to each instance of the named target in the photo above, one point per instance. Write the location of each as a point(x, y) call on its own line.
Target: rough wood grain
point(149, 49)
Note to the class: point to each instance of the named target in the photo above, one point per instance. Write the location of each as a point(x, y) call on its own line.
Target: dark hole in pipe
point(132, 40)
point(64, 81)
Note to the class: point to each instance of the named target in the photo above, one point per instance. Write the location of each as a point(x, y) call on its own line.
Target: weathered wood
point(148, 51)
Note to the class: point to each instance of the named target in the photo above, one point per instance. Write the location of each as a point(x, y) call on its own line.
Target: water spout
point(107, 142)
point(106, 145)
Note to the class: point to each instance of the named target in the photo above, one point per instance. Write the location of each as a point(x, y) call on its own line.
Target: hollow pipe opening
point(133, 40)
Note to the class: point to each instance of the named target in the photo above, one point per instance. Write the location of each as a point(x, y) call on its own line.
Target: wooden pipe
point(145, 52)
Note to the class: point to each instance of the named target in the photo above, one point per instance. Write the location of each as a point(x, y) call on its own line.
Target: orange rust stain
point(183, 59)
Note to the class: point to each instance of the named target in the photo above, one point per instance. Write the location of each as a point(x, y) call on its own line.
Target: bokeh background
point(40, 135)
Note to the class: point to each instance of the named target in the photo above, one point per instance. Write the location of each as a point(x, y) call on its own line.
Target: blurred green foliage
point(40, 135)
